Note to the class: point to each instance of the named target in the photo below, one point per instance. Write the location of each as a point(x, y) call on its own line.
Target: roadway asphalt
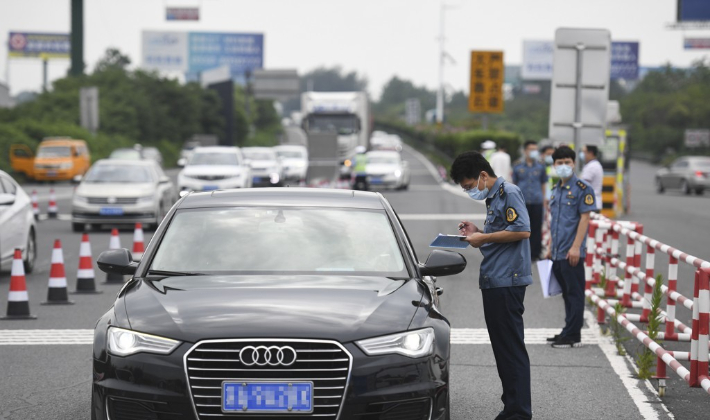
point(53, 381)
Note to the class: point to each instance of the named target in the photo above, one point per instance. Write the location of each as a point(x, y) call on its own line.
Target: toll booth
point(615, 185)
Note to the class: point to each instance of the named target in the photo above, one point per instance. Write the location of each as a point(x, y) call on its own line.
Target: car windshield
point(702, 163)
point(382, 160)
point(259, 155)
point(280, 241)
point(54, 151)
point(118, 173)
point(290, 154)
point(127, 154)
point(214, 159)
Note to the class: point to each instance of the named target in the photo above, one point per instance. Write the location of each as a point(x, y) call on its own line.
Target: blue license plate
point(267, 397)
point(210, 188)
point(375, 180)
point(257, 179)
point(51, 173)
point(111, 211)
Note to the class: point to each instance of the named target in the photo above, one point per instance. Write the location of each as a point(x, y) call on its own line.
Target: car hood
point(209, 170)
point(381, 168)
point(323, 307)
point(262, 164)
point(110, 189)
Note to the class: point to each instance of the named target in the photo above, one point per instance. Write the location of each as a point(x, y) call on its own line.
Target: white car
point(294, 159)
point(215, 168)
point(266, 167)
point(387, 169)
point(17, 224)
point(386, 142)
point(122, 192)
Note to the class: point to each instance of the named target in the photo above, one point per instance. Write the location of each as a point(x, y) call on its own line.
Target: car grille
point(210, 177)
point(325, 363)
point(402, 410)
point(47, 166)
point(119, 200)
point(125, 409)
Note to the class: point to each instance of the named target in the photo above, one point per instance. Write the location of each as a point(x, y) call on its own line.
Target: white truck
point(345, 113)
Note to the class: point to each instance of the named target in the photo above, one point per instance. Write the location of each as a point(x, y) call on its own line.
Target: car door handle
point(439, 291)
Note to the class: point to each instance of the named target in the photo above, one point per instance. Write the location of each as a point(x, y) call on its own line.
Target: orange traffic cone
point(52, 210)
point(35, 204)
point(85, 275)
point(114, 243)
point(138, 246)
point(18, 304)
point(57, 291)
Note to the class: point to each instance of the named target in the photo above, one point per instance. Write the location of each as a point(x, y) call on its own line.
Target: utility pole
point(77, 38)
point(443, 55)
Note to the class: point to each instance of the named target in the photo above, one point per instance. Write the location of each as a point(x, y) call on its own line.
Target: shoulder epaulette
point(501, 191)
point(582, 185)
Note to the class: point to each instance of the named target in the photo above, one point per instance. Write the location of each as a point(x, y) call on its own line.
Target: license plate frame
point(52, 173)
point(210, 188)
point(248, 384)
point(375, 180)
point(111, 211)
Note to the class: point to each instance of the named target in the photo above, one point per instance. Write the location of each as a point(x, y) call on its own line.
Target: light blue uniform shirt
point(567, 205)
point(508, 264)
point(530, 179)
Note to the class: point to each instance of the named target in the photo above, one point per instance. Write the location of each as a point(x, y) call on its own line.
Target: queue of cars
point(385, 166)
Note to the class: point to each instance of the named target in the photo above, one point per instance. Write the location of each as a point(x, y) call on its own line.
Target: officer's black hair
point(544, 149)
point(593, 150)
point(564, 152)
point(528, 143)
point(470, 165)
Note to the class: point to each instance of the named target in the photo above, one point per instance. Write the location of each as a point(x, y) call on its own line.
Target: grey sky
point(377, 38)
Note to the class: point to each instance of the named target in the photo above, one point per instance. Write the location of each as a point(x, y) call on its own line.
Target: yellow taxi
point(57, 159)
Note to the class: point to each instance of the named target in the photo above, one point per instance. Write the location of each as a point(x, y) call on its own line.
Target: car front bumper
point(130, 213)
point(53, 174)
point(156, 386)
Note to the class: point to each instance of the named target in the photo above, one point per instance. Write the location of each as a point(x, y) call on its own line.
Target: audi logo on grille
point(267, 356)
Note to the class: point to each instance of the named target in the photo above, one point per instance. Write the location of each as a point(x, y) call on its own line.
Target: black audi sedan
point(280, 303)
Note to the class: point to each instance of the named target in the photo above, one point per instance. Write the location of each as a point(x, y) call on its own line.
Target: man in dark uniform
point(505, 274)
point(572, 200)
point(531, 177)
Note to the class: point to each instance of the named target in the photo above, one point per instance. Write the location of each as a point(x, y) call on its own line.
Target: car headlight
point(398, 173)
point(145, 200)
point(66, 165)
point(413, 344)
point(80, 199)
point(126, 342)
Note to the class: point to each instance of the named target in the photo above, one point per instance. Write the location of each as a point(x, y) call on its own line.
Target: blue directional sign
point(241, 52)
point(625, 60)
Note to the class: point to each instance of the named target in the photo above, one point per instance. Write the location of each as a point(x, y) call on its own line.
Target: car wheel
point(685, 187)
point(659, 186)
point(30, 252)
point(699, 191)
point(77, 227)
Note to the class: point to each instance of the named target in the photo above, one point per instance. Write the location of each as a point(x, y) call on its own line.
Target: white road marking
point(86, 336)
point(443, 216)
point(620, 365)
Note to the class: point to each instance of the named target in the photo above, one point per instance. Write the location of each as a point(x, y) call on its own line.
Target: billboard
point(195, 52)
point(696, 43)
point(537, 60)
point(44, 45)
point(693, 10)
point(182, 13)
point(486, 88)
point(625, 60)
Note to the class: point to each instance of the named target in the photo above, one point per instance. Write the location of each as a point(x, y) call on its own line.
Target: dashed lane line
point(533, 336)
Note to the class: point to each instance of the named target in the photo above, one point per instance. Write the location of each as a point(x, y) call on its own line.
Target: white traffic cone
point(114, 243)
point(85, 276)
point(57, 292)
point(35, 205)
point(52, 209)
point(18, 304)
point(138, 245)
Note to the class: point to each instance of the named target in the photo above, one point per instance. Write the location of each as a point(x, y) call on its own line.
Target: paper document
point(550, 285)
point(449, 241)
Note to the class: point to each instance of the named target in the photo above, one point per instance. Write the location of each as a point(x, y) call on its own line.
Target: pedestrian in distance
point(593, 172)
point(531, 177)
point(360, 170)
point(504, 275)
point(500, 163)
point(546, 156)
point(488, 147)
point(572, 200)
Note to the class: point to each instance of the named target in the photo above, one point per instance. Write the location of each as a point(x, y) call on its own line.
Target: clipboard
point(550, 285)
point(449, 241)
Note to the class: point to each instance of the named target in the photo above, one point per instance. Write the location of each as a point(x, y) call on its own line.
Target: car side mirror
point(182, 162)
point(77, 179)
point(164, 179)
point(7, 199)
point(117, 261)
point(443, 263)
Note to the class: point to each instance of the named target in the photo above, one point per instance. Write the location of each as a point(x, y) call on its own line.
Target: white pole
point(440, 91)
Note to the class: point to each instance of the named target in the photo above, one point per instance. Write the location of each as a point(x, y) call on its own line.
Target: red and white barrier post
point(35, 205)
point(52, 210)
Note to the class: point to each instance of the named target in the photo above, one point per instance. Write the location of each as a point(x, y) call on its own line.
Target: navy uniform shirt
point(567, 205)
point(530, 179)
point(508, 264)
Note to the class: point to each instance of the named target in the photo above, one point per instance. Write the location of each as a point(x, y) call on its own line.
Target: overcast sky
point(377, 38)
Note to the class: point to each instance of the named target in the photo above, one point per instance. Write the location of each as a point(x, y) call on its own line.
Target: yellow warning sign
point(487, 75)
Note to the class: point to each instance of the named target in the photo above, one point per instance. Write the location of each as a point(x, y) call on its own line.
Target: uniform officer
point(505, 274)
point(530, 175)
point(572, 200)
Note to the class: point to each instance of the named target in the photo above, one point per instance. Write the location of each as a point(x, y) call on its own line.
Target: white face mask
point(477, 194)
point(563, 171)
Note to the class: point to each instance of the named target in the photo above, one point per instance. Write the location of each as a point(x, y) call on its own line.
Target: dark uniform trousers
point(572, 282)
point(535, 212)
point(503, 310)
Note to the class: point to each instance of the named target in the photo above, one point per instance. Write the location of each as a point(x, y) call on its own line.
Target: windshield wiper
point(173, 273)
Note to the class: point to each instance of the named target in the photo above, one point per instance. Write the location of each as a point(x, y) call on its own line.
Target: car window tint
point(280, 240)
